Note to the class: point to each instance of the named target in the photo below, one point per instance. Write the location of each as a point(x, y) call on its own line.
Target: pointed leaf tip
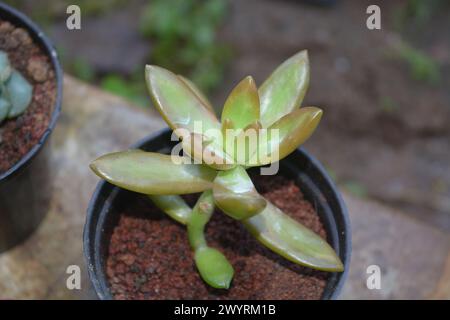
point(242, 105)
point(178, 104)
point(290, 239)
point(285, 88)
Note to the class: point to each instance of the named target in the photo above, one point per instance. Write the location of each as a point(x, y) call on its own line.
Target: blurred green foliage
point(81, 69)
point(183, 35)
point(131, 88)
point(422, 67)
point(417, 12)
point(409, 19)
point(355, 188)
point(388, 104)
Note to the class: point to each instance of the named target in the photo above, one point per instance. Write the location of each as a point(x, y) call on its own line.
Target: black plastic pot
point(309, 173)
point(23, 187)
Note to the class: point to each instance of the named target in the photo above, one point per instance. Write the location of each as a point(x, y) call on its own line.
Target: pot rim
point(344, 250)
point(19, 19)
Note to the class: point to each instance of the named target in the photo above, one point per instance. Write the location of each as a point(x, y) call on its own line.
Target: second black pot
point(25, 187)
point(309, 174)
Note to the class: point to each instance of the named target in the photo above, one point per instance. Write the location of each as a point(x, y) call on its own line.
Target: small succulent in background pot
point(219, 171)
point(30, 103)
point(15, 91)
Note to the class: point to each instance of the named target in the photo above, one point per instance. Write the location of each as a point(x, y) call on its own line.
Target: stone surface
point(91, 124)
point(413, 257)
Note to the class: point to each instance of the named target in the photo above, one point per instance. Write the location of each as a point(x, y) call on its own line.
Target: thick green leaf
point(201, 213)
point(214, 267)
point(178, 104)
point(174, 206)
point(235, 194)
point(229, 136)
point(197, 92)
point(290, 239)
point(285, 89)
point(153, 173)
point(227, 124)
point(285, 135)
point(242, 105)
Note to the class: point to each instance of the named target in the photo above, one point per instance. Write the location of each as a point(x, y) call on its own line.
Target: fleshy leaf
point(255, 125)
point(197, 92)
point(235, 194)
point(285, 89)
point(229, 135)
point(178, 104)
point(290, 239)
point(292, 130)
point(207, 151)
point(153, 173)
point(201, 213)
point(174, 206)
point(227, 124)
point(214, 267)
point(19, 92)
point(242, 105)
point(247, 143)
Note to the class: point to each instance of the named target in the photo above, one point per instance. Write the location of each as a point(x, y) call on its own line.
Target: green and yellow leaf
point(153, 173)
point(242, 105)
point(290, 239)
point(285, 88)
point(235, 194)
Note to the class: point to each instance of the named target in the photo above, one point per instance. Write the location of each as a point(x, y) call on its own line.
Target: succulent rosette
point(258, 127)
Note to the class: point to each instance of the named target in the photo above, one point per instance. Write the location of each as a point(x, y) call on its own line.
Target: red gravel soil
point(19, 135)
point(150, 258)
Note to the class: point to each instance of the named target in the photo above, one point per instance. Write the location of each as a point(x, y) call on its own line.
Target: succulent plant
point(15, 91)
point(218, 170)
